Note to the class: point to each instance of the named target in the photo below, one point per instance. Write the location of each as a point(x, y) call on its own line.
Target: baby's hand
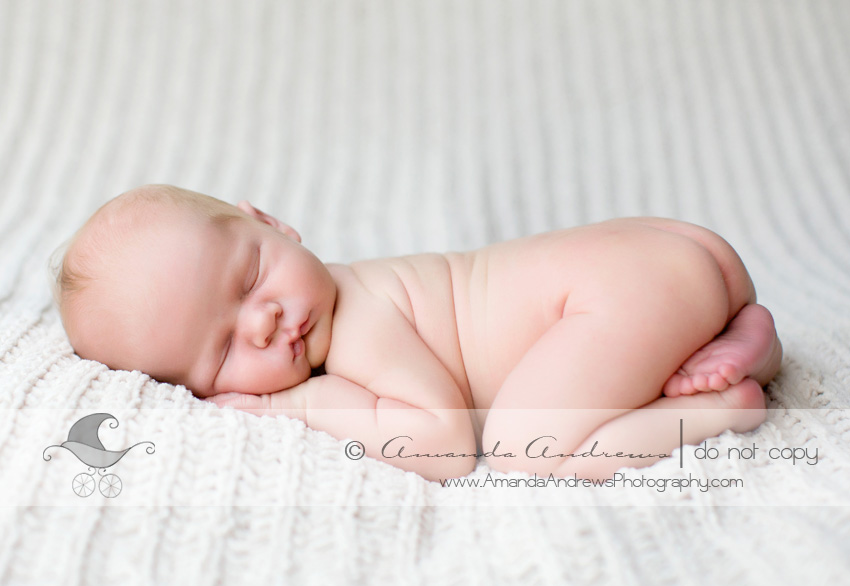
point(272, 404)
point(347, 410)
point(239, 401)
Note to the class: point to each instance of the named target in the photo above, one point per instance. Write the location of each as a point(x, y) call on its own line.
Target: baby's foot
point(748, 347)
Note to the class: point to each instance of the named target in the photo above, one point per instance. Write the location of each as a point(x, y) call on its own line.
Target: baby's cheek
point(251, 379)
point(284, 378)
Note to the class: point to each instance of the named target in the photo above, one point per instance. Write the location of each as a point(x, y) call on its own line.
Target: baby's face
point(236, 307)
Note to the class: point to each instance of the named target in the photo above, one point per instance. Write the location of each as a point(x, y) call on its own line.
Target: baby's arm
point(347, 410)
point(394, 387)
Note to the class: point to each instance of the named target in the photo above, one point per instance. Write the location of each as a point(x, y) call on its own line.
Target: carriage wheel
point(83, 484)
point(110, 486)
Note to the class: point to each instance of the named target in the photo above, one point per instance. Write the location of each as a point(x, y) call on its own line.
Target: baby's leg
point(636, 318)
point(748, 347)
point(655, 429)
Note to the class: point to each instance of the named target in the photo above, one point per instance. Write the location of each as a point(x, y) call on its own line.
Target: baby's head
point(192, 290)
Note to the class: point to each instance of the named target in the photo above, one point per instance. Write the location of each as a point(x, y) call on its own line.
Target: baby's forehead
point(187, 215)
point(114, 237)
point(167, 203)
point(129, 234)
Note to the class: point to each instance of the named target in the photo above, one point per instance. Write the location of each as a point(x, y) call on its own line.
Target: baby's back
point(477, 312)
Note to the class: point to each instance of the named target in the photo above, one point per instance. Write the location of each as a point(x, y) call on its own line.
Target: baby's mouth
point(298, 345)
point(297, 348)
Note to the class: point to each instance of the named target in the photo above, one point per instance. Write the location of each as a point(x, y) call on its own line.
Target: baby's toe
point(687, 387)
point(731, 373)
point(673, 386)
point(679, 384)
point(700, 382)
point(717, 382)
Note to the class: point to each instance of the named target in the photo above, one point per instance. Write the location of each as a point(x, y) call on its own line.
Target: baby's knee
point(514, 442)
point(538, 453)
point(536, 458)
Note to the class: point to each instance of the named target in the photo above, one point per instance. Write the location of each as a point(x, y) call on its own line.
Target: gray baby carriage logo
point(84, 443)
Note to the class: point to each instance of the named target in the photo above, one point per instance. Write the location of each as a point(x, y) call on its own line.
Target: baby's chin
point(317, 354)
point(317, 348)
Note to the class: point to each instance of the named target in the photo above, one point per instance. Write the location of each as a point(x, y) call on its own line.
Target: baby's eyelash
point(227, 346)
point(225, 350)
point(256, 277)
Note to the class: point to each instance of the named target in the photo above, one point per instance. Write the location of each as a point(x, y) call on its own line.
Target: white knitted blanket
point(379, 128)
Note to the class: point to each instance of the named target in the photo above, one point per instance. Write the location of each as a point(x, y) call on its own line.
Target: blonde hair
point(78, 262)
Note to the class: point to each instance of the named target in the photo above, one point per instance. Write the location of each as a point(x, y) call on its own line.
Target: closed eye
point(254, 274)
point(225, 351)
point(251, 282)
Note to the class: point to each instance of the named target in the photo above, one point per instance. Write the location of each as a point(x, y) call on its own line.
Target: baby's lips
point(297, 347)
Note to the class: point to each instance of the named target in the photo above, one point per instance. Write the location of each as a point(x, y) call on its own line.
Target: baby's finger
point(254, 404)
point(236, 400)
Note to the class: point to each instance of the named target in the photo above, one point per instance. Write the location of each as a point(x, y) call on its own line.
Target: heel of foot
point(771, 367)
point(748, 402)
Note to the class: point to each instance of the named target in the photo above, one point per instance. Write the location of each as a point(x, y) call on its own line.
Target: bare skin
point(597, 338)
point(748, 347)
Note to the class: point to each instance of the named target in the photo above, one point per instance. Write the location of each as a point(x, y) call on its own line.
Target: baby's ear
point(270, 220)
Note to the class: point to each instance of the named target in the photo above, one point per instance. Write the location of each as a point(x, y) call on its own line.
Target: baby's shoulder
point(374, 327)
point(371, 302)
point(404, 281)
point(369, 284)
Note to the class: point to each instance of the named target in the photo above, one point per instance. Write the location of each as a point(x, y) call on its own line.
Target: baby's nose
point(264, 324)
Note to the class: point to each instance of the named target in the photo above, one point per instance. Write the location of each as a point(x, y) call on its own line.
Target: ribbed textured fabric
point(379, 128)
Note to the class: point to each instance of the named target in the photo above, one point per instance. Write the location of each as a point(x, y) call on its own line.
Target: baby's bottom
point(674, 313)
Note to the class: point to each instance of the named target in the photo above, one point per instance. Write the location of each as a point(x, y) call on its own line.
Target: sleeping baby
point(574, 353)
